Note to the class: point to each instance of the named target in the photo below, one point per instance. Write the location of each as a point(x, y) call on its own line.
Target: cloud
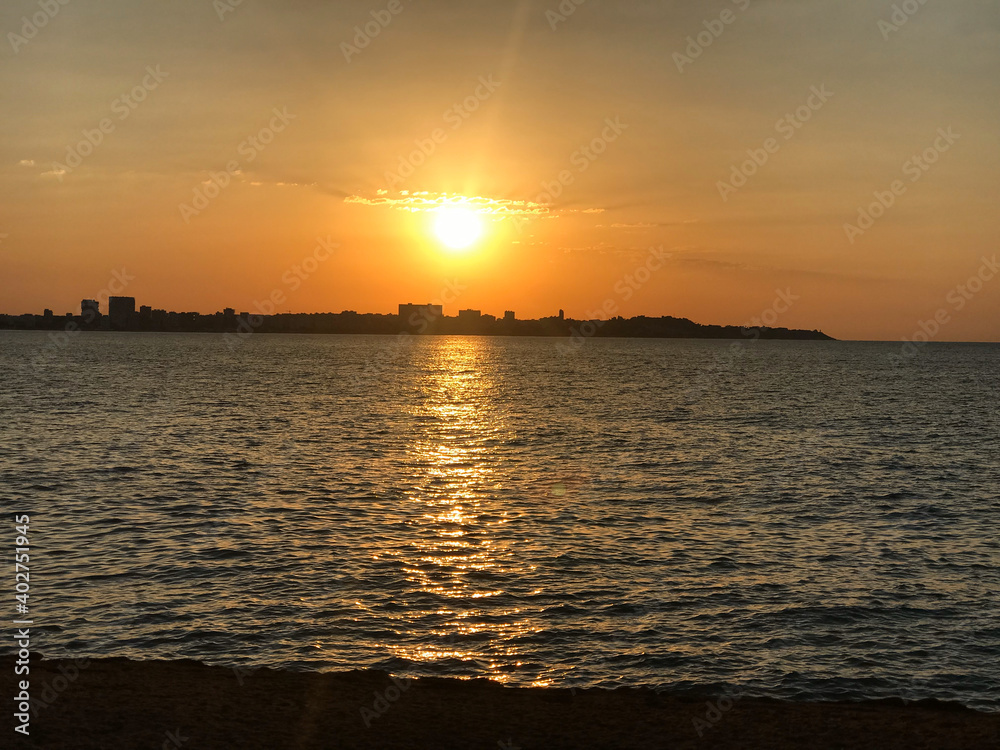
point(258, 183)
point(26, 163)
point(503, 208)
point(420, 201)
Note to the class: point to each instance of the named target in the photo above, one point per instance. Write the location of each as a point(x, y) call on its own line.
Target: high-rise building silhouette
point(121, 311)
point(422, 312)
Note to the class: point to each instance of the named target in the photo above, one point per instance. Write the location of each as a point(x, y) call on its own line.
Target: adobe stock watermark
point(716, 709)
point(562, 12)
point(581, 159)
point(956, 299)
point(714, 28)
point(787, 127)
point(455, 116)
point(364, 34)
point(249, 149)
point(624, 288)
point(901, 14)
point(59, 340)
point(384, 700)
point(783, 301)
point(123, 106)
point(174, 740)
point(48, 9)
point(420, 321)
point(292, 279)
point(52, 690)
point(915, 167)
point(225, 7)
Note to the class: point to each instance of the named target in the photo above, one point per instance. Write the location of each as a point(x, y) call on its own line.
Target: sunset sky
point(578, 140)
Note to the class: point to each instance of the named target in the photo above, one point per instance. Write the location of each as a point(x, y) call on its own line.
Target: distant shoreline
point(763, 337)
point(118, 702)
point(349, 323)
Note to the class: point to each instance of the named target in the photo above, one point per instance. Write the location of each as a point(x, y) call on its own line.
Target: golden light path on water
point(468, 507)
point(458, 505)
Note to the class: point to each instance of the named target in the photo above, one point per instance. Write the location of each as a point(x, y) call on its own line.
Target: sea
point(800, 520)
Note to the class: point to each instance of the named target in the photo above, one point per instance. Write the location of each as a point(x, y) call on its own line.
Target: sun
point(458, 227)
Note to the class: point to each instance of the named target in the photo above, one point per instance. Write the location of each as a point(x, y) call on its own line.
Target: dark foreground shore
point(116, 703)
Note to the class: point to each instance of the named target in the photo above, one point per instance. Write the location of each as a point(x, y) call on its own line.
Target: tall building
point(121, 311)
point(470, 315)
point(508, 316)
point(90, 310)
point(412, 315)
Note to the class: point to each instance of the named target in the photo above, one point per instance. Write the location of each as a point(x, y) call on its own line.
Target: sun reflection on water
point(462, 557)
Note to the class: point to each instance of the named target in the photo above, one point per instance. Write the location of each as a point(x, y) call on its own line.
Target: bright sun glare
point(458, 227)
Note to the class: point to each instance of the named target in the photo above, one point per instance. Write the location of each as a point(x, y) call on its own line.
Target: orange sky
point(583, 139)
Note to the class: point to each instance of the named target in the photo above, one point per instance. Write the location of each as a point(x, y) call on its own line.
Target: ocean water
point(806, 520)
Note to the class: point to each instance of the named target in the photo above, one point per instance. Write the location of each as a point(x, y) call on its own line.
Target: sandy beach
point(117, 703)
